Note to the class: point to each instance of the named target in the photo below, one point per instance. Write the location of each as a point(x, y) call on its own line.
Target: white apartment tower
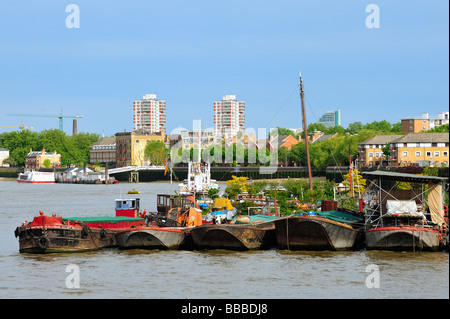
point(149, 114)
point(229, 116)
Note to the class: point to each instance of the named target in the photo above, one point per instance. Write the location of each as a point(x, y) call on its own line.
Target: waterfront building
point(331, 119)
point(421, 148)
point(229, 116)
point(35, 159)
point(149, 114)
point(424, 123)
point(414, 148)
point(370, 152)
point(130, 147)
point(103, 151)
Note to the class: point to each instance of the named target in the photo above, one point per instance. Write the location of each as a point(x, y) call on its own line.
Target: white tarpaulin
point(402, 207)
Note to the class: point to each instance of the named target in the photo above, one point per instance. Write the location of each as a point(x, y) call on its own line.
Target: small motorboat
point(134, 191)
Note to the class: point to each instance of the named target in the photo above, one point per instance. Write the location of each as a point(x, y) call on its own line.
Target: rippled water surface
point(112, 273)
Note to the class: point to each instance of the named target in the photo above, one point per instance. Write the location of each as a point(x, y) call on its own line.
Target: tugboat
point(397, 219)
point(49, 234)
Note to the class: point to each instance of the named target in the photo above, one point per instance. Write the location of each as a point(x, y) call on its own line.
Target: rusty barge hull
point(233, 236)
point(153, 238)
point(314, 233)
point(64, 239)
point(406, 238)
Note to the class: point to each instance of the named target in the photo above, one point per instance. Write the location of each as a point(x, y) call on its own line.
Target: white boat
point(199, 176)
point(199, 180)
point(36, 177)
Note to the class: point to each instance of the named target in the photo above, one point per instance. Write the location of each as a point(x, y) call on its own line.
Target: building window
point(405, 154)
point(428, 154)
point(370, 154)
point(418, 154)
point(377, 154)
point(445, 153)
point(437, 153)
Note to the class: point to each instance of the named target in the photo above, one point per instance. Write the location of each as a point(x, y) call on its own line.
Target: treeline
point(331, 152)
point(73, 149)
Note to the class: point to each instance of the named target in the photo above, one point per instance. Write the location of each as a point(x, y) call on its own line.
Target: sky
point(192, 53)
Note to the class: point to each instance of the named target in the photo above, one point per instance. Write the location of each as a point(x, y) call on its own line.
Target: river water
point(272, 274)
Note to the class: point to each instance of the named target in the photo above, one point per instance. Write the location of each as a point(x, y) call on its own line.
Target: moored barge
point(50, 234)
point(404, 220)
point(318, 231)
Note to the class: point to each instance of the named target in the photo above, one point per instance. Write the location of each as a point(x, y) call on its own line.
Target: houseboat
point(404, 220)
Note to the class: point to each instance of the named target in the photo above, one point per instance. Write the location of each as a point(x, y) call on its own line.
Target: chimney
point(74, 128)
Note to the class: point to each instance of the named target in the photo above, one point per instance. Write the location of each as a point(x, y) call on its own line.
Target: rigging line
point(283, 105)
point(309, 105)
point(310, 94)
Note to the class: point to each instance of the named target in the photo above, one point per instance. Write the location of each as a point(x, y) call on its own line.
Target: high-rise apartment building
point(149, 114)
point(331, 118)
point(229, 116)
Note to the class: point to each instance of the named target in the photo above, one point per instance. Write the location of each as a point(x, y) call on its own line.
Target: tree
point(236, 186)
point(213, 193)
point(439, 129)
point(358, 182)
point(316, 127)
point(156, 152)
point(47, 163)
point(280, 131)
point(386, 150)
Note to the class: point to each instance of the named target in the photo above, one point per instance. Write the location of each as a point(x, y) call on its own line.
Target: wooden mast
point(306, 134)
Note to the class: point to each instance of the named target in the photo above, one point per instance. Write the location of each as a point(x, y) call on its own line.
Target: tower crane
point(60, 117)
point(22, 127)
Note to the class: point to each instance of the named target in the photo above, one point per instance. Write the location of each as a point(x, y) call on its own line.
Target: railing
point(135, 169)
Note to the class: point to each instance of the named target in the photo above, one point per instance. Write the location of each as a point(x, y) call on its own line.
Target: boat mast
point(306, 134)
